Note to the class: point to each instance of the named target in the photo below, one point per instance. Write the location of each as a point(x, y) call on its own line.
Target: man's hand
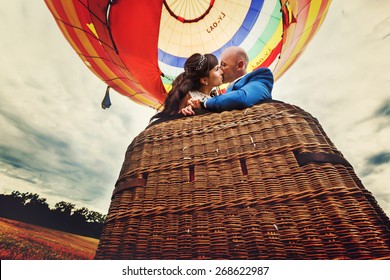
point(194, 103)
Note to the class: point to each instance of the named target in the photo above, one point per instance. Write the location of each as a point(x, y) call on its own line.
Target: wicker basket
point(260, 183)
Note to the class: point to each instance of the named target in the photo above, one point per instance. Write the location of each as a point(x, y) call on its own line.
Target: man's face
point(228, 67)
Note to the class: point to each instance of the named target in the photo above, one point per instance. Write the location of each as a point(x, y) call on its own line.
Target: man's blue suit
point(249, 90)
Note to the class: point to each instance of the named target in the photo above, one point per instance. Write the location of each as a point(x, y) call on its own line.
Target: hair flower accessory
point(201, 62)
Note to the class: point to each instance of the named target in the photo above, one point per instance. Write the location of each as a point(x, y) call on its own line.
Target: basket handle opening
point(244, 168)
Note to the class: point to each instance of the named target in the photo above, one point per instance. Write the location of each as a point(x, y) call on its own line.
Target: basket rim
point(199, 112)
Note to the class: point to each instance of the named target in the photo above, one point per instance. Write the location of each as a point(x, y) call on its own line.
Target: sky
point(58, 142)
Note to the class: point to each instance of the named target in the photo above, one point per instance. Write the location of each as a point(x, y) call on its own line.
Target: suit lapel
point(233, 84)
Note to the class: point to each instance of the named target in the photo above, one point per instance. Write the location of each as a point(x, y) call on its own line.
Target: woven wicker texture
point(260, 183)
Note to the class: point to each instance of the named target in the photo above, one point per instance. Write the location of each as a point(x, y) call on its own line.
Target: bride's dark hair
point(196, 67)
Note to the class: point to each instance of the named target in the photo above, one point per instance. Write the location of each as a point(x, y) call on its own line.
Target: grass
point(22, 241)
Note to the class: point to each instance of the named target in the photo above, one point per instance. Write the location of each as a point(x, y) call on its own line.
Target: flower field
point(22, 241)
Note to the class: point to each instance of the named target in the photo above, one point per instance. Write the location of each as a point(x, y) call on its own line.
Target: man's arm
point(256, 88)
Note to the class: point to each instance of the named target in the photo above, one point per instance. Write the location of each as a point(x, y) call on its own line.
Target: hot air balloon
point(138, 47)
point(261, 183)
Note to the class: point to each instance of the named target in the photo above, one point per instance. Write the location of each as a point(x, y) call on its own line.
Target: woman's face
point(215, 76)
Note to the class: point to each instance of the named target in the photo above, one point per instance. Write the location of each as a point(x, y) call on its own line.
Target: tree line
point(30, 208)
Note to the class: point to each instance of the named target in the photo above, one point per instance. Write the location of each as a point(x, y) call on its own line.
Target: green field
point(22, 241)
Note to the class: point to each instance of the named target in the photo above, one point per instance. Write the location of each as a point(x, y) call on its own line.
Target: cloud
point(384, 110)
point(56, 140)
point(379, 159)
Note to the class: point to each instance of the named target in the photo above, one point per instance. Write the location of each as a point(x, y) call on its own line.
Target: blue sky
point(57, 141)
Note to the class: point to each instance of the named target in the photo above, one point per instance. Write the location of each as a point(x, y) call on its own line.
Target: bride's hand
point(187, 111)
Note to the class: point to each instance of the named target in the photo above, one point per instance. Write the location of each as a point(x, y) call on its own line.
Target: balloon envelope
point(138, 47)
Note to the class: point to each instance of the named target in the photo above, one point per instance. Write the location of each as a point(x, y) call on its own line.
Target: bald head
point(237, 53)
point(234, 61)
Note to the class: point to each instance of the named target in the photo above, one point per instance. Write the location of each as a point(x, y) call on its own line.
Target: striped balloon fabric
point(138, 47)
